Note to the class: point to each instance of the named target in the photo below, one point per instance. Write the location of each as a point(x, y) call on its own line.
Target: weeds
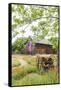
point(30, 75)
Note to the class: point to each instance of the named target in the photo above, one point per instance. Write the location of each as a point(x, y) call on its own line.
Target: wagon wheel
point(50, 62)
point(44, 64)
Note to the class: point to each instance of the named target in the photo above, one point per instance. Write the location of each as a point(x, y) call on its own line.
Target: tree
point(46, 17)
point(19, 44)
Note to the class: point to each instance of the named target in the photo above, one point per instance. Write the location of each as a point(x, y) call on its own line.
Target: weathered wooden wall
point(43, 49)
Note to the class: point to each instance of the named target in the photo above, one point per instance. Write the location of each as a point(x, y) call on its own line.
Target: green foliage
point(33, 12)
point(54, 42)
point(47, 25)
point(14, 34)
point(36, 12)
point(18, 45)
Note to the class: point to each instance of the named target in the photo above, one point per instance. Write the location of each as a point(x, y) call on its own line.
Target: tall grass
point(50, 77)
point(21, 72)
point(30, 59)
point(30, 75)
point(15, 63)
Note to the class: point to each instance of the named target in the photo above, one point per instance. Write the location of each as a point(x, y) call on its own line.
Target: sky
point(28, 30)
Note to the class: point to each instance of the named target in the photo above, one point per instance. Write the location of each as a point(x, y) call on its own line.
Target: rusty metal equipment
point(44, 61)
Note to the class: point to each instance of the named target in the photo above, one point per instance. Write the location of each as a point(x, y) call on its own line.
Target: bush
point(19, 45)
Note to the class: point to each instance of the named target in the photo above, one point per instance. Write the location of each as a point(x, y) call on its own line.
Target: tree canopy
point(43, 22)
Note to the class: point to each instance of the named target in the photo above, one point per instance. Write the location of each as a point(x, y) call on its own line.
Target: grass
point(29, 74)
point(33, 78)
point(48, 78)
point(15, 63)
point(30, 60)
point(21, 72)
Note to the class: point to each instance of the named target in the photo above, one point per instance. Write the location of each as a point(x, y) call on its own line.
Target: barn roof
point(44, 41)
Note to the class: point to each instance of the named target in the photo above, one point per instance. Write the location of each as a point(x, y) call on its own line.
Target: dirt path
point(23, 62)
